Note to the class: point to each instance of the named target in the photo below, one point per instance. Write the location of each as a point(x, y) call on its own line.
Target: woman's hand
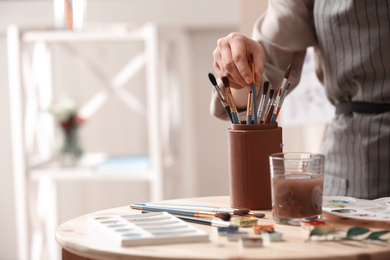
point(232, 59)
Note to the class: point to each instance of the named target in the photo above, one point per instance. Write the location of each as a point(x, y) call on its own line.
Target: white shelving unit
point(24, 84)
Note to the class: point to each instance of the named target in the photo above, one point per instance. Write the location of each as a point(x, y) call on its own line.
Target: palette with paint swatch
point(347, 207)
point(148, 229)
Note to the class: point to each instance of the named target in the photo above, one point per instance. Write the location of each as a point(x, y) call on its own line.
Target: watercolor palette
point(347, 207)
point(148, 229)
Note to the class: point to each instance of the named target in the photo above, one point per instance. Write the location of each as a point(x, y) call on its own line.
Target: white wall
point(204, 22)
point(7, 226)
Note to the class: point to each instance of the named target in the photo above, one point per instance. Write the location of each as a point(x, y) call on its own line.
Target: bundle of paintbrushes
point(271, 101)
point(183, 211)
point(196, 211)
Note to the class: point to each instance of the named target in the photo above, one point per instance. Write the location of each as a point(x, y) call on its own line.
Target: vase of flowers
point(65, 114)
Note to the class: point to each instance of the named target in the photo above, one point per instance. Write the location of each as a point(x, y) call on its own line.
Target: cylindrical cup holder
point(249, 148)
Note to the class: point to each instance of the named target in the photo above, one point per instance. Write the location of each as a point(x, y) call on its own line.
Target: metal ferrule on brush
point(261, 107)
point(203, 214)
point(250, 103)
point(267, 109)
point(220, 95)
point(132, 206)
point(276, 103)
point(229, 98)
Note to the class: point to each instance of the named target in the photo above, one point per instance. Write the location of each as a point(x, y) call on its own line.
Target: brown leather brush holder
point(249, 149)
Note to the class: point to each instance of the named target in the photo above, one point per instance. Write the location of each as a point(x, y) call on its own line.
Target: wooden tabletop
point(81, 241)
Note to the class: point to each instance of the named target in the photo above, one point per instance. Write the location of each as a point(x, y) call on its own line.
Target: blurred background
point(143, 102)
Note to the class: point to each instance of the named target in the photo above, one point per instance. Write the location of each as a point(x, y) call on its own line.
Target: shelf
point(88, 170)
point(31, 87)
point(88, 174)
point(117, 33)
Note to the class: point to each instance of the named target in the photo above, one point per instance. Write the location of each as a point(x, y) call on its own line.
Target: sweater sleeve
point(285, 30)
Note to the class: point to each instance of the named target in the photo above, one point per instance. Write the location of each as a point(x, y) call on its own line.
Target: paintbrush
point(220, 96)
point(282, 86)
point(229, 97)
point(204, 221)
point(254, 102)
point(268, 106)
point(238, 212)
point(185, 212)
point(275, 109)
point(271, 108)
point(285, 77)
point(261, 109)
point(249, 109)
point(282, 98)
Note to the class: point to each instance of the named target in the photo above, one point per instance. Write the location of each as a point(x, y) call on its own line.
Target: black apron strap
point(362, 107)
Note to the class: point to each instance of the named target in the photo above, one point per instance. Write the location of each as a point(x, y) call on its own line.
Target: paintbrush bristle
point(240, 212)
point(265, 89)
point(225, 81)
point(271, 93)
point(223, 215)
point(212, 79)
point(287, 73)
point(251, 56)
point(256, 215)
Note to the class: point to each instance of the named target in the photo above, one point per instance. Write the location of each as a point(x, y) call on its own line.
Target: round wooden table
point(79, 241)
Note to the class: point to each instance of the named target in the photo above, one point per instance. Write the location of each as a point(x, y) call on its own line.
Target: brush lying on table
point(204, 221)
point(182, 211)
point(232, 211)
point(238, 212)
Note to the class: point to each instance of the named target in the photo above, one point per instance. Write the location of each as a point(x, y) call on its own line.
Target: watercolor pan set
point(148, 229)
point(347, 207)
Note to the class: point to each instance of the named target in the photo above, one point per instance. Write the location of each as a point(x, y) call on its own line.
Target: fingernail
point(248, 80)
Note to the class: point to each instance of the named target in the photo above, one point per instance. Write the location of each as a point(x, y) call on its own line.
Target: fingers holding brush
point(225, 66)
point(231, 60)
